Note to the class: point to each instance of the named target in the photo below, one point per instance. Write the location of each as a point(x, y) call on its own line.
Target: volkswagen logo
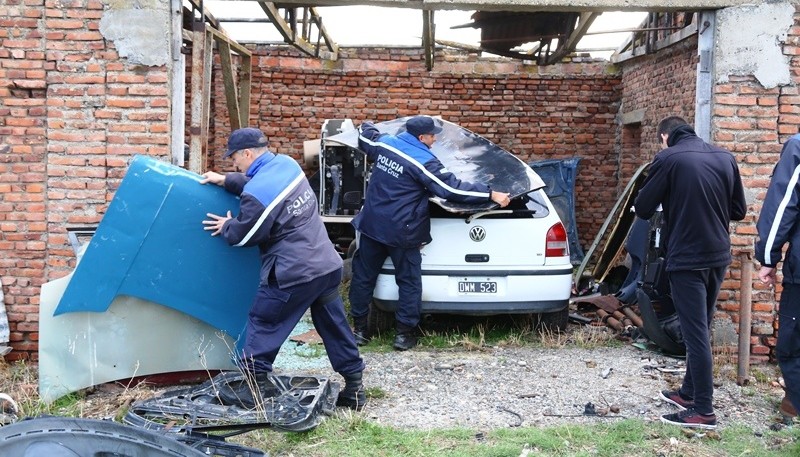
point(477, 233)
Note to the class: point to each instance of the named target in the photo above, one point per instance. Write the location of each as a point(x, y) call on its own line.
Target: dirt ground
point(482, 387)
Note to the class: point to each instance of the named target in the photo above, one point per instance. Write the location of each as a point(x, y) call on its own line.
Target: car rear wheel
point(553, 322)
point(379, 321)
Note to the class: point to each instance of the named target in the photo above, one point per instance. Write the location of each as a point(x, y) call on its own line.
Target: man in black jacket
point(777, 225)
point(699, 187)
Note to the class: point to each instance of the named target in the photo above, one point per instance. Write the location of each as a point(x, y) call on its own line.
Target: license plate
point(477, 287)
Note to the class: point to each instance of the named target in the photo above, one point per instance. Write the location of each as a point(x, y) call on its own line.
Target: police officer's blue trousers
point(367, 263)
point(694, 294)
point(788, 348)
point(276, 311)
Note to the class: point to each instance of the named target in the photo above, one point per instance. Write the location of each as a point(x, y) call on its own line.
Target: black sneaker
point(690, 418)
point(674, 397)
point(404, 341)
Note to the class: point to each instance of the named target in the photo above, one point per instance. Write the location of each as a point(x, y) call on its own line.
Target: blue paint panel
point(151, 245)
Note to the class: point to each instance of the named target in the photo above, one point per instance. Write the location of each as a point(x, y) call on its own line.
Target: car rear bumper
point(481, 308)
point(504, 292)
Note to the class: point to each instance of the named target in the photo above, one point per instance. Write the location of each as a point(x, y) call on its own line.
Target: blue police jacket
point(778, 220)
point(405, 174)
point(278, 213)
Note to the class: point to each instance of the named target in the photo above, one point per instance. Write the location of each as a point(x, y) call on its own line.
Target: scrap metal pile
point(639, 306)
point(187, 422)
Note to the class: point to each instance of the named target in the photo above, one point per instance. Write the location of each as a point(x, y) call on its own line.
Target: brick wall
point(754, 122)
point(537, 113)
point(662, 85)
point(23, 123)
point(72, 113)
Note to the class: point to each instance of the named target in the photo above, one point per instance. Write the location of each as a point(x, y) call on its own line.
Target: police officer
point(299, 266)
point(394, 221)
point(778, 225)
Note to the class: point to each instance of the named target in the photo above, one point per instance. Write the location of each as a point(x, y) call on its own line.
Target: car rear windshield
point(530, 205)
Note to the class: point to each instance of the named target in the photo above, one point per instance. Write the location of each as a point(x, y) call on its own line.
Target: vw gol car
point(484, 260)
point(512, 261)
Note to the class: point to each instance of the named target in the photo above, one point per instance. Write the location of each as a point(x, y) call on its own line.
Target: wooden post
point(745, 318)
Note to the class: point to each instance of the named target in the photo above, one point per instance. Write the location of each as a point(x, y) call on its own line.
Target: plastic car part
point(300, 407)
point(470, 157)
point(73, 437)
point(660, 323)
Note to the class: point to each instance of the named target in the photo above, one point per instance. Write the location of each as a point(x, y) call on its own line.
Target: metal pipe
point(637, 321)
point(622, 319)
point(609, 320)
point(745, 319)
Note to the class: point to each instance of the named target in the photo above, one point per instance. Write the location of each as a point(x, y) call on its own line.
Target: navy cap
point(246, 138)
point(420, 125)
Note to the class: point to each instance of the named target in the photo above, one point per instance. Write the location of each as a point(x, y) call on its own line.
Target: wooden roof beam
point(537, 5)
point(584, 22)
point(301, 42)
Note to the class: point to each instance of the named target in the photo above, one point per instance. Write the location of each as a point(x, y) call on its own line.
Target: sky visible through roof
point(372, 25)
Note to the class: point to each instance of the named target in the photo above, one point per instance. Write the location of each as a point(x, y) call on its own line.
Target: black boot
point(249, 391)
point(405, 338)
point(360, 331)
point(353, 395)
point(405, 341)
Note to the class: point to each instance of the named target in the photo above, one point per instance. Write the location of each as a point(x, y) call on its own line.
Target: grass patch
point(375, 393)
point(348, 434)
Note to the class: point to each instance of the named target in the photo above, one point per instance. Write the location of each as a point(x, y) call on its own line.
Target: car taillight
point(556, 242)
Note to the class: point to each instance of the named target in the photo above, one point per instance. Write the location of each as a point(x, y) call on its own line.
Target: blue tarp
point(559, 176)
point(151, 245)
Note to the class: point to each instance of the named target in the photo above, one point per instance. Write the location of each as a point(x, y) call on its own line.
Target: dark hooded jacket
point(701, 192)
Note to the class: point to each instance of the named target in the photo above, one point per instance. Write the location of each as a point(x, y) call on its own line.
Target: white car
point(510, 261)
point(483, 260)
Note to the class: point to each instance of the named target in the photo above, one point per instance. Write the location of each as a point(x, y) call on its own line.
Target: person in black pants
point(700, 190)
point(395, 222)
point(777, 225)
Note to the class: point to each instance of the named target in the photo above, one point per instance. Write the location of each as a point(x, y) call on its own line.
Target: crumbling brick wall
point(535, 112)
point(754, 122)
point(72, 113)
point(23, 149)
point(660, 85)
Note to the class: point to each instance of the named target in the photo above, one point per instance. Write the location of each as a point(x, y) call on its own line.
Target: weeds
point(585, 337)
point(375, 393)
